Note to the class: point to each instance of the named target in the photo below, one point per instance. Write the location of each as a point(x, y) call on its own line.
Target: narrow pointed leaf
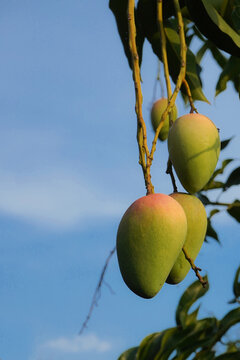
point(230, 73)
point(234, 210)
point(211, 232)
point(233, 179)
point(236, 284)
point(130, 354)
point(226, 142)
point(119, 9)
point(191, 295)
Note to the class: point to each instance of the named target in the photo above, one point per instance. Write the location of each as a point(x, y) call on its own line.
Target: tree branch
point(97, 292)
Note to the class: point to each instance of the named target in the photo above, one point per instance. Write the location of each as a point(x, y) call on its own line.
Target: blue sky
point(69, 169)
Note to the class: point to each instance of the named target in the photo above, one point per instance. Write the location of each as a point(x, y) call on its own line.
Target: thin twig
point(189, 96)
point(195, 268)
point(97, 292)
point(170, 172)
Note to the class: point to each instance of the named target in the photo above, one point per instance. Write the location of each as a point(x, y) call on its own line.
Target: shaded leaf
point(192, 67)
point(236, 284)
point(225, 143)
point(213, 212)
point(229, 320)
point(211, 232)
point(234, 210)
point(236, 15)
point(201, 52)
point(192, 294)
point(229, 356)
point(233, 179)
point(147, 13)
point(217, 55)
point(217, 184)
point(204, 199)
point(230, 73)
point(214, 185)
point(213, 26)
point(130, 354)
point(119, 9)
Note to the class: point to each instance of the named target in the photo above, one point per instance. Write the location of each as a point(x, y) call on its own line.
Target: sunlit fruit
point(194, 146)
point(158, 109)
point(149, 239)
point(196, 231)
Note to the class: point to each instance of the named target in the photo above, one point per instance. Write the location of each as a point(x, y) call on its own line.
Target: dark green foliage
point(213, 26)
point(191, 336)
point(119, 9)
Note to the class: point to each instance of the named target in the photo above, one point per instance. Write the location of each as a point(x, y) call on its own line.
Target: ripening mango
point(194, 147)
point(149, 239)
point(158, 109)
point(196, 231)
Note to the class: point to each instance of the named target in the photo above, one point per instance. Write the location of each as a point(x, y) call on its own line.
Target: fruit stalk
point(180, 78)
point(144, 155)
point(195, 268)
point(189, 96)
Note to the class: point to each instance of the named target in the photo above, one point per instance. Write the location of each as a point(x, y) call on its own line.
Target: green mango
point(196, 231)
point(149, 239)
point(157, 111)
point(194, 147)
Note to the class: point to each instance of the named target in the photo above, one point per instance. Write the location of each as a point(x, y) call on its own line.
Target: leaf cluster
point(232, 179)
point(191, 337)
point(215, 23)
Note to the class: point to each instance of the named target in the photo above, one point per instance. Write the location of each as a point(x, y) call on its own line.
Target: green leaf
point(217, 184)
point(233, 179)
point(213, 26)
point(147, 15)
point(234, 210)
point(130, 354)
point(217, 55)
point(192, 294)
point(213, 212)
point(236, 15)
point(211, 232)
point(200, 336)
point(230, 73)
point(119, 9)
point(214, 185)
point(225, 143)
point(201, 52)
point(236, 284)
point(229, 356)
point(192, 67)
point(229, 320)
point(204, 199)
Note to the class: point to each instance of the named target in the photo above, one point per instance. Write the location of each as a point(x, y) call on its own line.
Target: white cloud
point(78, 344)
point(67, 348)
point(58, 199)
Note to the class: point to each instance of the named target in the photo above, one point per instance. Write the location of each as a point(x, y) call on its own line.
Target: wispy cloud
point(69, 347)
point(78, 344)
point(57, 199)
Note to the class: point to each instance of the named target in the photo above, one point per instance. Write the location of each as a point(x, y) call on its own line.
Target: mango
point(194, 147)
point(158, 109)
point(196, 231)
point(149, 239)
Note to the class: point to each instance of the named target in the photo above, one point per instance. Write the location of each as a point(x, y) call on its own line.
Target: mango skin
point(196, 231)
point(149, 239)
point(194, 147)
point(158, 109)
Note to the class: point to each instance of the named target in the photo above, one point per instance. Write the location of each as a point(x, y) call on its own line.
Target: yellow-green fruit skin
point(194, 147)
point(158, 109)
point(149, 239)
point(196, 231)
